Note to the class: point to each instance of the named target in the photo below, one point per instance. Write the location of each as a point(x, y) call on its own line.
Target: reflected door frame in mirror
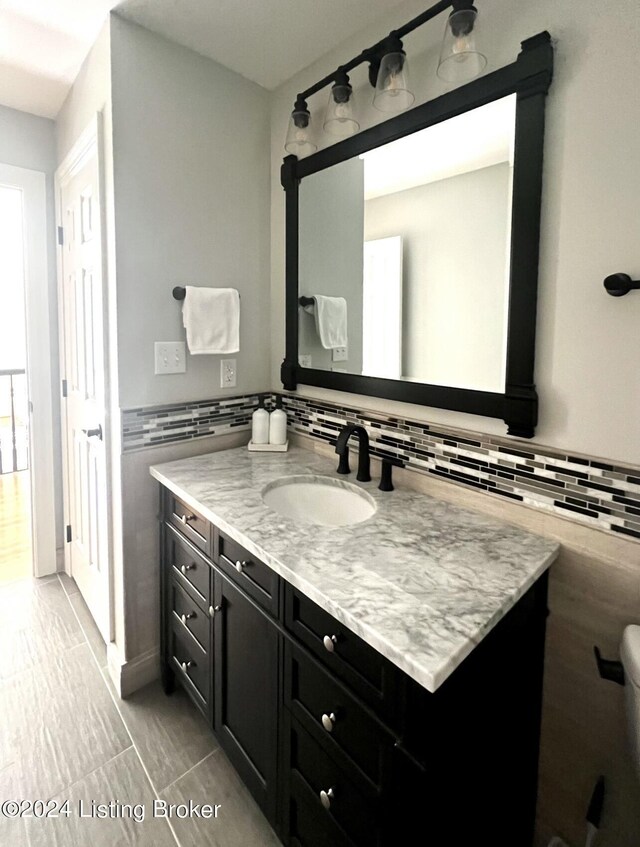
point(529, 77)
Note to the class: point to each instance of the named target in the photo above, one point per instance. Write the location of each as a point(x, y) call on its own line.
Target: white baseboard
point(128, 677)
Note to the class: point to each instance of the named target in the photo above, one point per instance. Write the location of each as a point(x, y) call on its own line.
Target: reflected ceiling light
point(339, 118)
point(392, 83)
point(460, 60)
point(299, 142)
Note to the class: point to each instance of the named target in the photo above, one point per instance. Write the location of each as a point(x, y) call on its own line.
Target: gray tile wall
point(598, 493)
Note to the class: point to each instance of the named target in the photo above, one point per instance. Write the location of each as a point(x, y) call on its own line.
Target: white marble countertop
point(422, 581)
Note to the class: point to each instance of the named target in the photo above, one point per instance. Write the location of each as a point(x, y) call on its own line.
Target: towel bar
point(306, 301)
point(617, 285)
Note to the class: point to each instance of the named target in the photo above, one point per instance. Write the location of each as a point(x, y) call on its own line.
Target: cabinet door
point(245, 661)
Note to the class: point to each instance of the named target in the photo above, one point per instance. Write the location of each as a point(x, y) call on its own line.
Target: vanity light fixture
point(392, 84)
point(339, 118)
point(460, 61)
point(299, 141)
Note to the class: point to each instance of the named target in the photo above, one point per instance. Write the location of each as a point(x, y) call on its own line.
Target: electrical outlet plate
point(305, 360)
point(228, 370)
point(170, 357)
point(339, 354)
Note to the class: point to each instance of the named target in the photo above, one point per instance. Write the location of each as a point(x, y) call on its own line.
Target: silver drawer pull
point(185, 568)
point(328, 721)
point(185, 665)
point(186, 518)
point(187, 617)
point(330, 642)
point(326, 797)
point(213, 610)
point(240, 566)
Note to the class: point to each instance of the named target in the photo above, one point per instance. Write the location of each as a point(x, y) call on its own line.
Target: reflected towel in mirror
point(331, 320)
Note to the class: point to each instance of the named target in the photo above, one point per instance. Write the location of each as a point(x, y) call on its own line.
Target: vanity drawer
point(190, 523)
point(255, 578)
point(337, 721)
point(353, 816)
point(372, 677)
point(307, 823)
point(185, 613)
point(187, 565)
point(191, 664)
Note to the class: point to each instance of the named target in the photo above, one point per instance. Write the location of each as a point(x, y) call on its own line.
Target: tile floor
point(65, 735)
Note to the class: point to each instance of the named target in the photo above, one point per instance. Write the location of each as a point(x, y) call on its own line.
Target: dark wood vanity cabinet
point(338, 746)
point(221, 646)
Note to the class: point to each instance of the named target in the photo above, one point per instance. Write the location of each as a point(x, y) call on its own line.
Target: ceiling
point(43, 42)
point(470, 141)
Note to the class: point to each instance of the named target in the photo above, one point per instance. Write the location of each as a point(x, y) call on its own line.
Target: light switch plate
point(228, 370)
point(304, 360)
point(339, 354)
point(170, 357)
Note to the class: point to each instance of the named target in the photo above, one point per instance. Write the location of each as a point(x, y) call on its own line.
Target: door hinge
point(64, 387)
point(60, 235)
point(68, 533)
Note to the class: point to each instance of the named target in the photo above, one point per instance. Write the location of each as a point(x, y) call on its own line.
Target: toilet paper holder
point(609, 669)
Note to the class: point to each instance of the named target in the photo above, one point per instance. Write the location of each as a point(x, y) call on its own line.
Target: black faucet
point(342, 449)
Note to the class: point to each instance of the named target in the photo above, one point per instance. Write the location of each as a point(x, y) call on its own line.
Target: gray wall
point(191, 206)
point(191, 175)
point(27, 141)
point(330, 238)
point(455, 237)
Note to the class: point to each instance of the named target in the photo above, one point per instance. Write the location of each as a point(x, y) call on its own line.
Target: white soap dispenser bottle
point(260, 424)
point(278, 424)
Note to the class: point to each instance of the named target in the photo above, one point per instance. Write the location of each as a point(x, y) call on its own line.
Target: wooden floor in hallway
point(15, 526)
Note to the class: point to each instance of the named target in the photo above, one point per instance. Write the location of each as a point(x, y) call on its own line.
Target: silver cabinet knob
point(326, 797)
point(330, 642)
point(187, 617)
point(213, 610)
point(240, 566)
point(186, 518)
point(185, 568)
point(186, 665)
point(328, 721)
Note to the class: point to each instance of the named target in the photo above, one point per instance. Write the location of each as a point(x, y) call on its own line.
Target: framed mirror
point(412, 251)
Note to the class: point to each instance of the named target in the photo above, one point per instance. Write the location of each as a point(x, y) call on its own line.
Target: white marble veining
point(422, 581)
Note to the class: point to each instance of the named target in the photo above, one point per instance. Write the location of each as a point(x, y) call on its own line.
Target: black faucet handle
point(386, 483)
point(343, 464)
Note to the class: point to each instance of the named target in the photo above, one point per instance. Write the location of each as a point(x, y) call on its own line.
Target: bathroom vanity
point(364, 680)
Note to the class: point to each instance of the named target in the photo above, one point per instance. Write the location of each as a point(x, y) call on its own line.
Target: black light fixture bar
point(374, 53)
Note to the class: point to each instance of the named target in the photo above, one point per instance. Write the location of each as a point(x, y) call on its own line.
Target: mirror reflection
point(404, 256)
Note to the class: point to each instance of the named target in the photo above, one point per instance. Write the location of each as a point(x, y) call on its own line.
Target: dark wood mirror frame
point(529, 77)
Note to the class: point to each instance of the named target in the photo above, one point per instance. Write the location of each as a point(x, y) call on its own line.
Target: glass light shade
point(460, 60)
point(392, 86)
point(339, 118)
point(298, 141)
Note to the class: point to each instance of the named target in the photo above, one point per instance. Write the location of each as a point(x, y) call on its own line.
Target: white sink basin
point(319, 500)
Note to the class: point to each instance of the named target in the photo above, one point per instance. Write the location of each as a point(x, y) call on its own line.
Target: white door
point(382, 308)
point(82, 344)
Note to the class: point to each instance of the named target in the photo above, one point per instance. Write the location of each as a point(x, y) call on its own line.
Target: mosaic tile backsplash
point(154, 425)
point(604, 495)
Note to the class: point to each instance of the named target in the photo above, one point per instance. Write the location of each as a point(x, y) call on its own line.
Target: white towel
point(211, 317)
point(331, 320)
